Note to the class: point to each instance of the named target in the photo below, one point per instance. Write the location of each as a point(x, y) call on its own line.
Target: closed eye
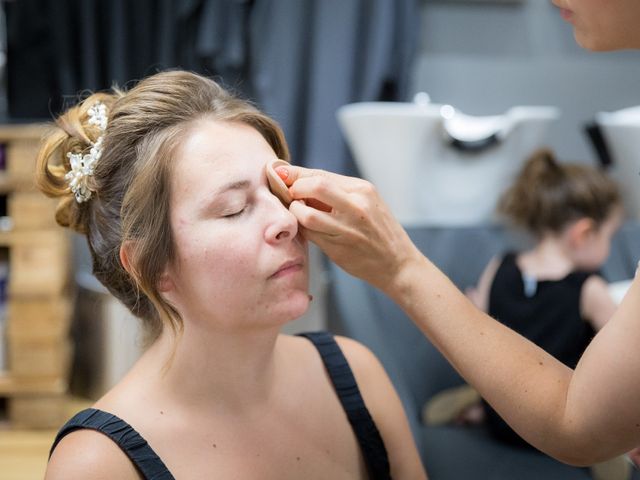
point(235, 214)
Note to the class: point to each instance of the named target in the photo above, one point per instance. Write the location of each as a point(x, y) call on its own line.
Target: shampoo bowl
point(434, 165)
point(617, 141)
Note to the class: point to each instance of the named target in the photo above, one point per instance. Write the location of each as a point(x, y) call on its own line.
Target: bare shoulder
point(385, 407)
point(361, 359)
point(374, 384)
point(595, 289)
point(90, 455)
point(595, 283)
point(596, 303)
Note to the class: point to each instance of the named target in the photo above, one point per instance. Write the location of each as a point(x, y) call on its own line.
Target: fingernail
point(282, 172)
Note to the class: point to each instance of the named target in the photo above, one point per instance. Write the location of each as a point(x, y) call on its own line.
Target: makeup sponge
point(276, 184)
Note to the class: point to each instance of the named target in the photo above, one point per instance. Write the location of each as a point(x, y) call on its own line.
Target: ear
point(125, 253)
point(165, 284)
point(580, 231)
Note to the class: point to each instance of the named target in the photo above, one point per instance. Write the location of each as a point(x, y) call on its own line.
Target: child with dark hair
point(553, 294)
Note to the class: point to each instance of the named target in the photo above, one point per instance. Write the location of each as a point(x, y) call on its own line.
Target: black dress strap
point(371, 443)
point(123, 434)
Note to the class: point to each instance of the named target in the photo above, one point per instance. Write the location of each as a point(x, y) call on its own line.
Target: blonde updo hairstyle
point(131, 182)
point(547, 195)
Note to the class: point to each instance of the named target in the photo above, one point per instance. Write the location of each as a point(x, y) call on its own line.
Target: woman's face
point(603, 24)
point(240, 259)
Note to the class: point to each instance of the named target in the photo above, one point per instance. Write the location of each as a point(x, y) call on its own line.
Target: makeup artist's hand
point(348, 220)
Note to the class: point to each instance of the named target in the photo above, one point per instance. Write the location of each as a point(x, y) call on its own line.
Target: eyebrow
point(237, 185)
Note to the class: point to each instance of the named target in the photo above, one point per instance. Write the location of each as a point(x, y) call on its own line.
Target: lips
point(291, 266)
point(566, 14)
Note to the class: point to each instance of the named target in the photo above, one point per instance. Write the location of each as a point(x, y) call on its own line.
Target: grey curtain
point(313, 56)
point(299, 60)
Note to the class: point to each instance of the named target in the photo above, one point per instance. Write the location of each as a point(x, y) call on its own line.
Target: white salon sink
point(435, 165)
point(621, 131)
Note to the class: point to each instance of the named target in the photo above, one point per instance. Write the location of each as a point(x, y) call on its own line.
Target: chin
point(598, 44)
point(295, 306)
point(300, 306)
point(585, 42)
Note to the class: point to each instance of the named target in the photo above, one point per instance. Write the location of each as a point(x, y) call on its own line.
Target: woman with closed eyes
point(167, 181)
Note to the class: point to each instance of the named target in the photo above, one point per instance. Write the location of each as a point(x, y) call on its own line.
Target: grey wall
point(483, 58)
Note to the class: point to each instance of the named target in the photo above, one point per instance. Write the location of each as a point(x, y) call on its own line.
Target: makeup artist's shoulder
point(89, 455)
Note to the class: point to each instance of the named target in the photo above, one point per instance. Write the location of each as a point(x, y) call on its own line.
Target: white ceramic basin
point(621, 131)
point(434, 165)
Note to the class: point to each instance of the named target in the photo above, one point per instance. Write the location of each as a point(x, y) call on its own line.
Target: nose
point(282, 225)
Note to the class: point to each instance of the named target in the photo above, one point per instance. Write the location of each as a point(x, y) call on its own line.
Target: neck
point(550, 258)
point(233, 370)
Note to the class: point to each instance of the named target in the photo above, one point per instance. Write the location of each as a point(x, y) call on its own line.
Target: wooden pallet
point(38, 305)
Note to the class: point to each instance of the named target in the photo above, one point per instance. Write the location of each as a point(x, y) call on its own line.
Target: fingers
point(313, 219)
point(319, 189)
point(347, 195)
point(318, 205)
point(292, 173)
point(289, 174)
point(326, 191)
point(322, 241)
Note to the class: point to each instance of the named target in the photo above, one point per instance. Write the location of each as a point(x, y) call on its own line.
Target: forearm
point(579, 417)
point(604, 394)
point(527, 386)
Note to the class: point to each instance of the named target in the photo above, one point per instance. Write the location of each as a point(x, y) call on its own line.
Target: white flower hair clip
point(82, 166)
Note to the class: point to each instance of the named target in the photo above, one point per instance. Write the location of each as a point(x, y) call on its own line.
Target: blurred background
point(453, 95)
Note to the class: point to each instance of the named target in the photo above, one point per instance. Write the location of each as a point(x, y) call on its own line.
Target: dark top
point(547, 312)
point(151, 466)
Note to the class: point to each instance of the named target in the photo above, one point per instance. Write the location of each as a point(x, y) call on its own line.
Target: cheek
point(599, 253)
point(213, 258)
point(230, 264)
point(224, 257)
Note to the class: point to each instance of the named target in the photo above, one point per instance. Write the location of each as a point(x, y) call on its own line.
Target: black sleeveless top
point(151, 466)
point(546, 312)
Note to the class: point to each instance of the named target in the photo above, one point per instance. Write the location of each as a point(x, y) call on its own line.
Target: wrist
point(409, 270)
